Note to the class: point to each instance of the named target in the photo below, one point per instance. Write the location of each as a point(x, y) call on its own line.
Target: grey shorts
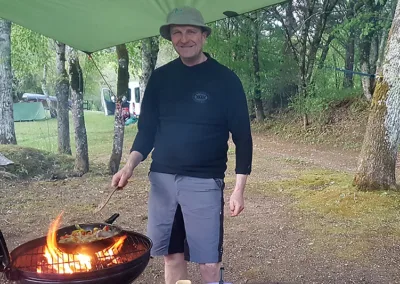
point(185, 215)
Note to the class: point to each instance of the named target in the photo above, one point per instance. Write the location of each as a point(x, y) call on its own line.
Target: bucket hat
point(183, 16)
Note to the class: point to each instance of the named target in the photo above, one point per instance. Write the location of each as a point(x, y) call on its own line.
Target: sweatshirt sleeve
point(239, 126)
point(148, 119)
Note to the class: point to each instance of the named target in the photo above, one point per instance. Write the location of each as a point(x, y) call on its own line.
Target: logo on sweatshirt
point(200, 97)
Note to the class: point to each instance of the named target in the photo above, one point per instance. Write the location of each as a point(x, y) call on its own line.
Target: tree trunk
point(369, 46)
point(348, 81)
point(365, 50)
point(7, 131)
point(122, 90)
point(381, 52)
point(150, 47)
point(374, 54)
point(76, 83)
point(62, 94)
point(328, 6)
point(377, 164)
point(260, 115)
point(53, 112)
point(325, 50)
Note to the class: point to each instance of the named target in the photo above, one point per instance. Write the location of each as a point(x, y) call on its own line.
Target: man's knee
point(210, 270)
point(174, 259)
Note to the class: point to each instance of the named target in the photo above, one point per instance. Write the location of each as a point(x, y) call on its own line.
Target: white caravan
point(133, 100)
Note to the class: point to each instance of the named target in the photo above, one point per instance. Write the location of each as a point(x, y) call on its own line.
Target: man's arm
point(144, 140)
point(239, 126)
point(134, 159)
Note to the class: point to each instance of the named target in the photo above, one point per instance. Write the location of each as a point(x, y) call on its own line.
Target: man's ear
point(204, 35)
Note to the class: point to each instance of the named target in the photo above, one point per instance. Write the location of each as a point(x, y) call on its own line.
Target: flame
point(64, 263)
point(109, 254)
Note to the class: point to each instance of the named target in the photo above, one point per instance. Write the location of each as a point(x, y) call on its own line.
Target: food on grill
point(81, 236)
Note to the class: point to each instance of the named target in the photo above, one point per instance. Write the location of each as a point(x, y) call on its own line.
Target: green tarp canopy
point(29, 111)
point(92, 25)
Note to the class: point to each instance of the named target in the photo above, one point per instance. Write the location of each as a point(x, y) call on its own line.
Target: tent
point(29, 111)
point(93, 25)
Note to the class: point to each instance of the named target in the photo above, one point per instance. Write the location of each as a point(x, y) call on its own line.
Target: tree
point(150, 47)
point(7, 131)
point(377, 163)
point(348, 81)
point(119, 125)
point(256, 29)
point(369, 42)
point(313, 16)
point(62, 94)
point(39, 75)
point(76, 83)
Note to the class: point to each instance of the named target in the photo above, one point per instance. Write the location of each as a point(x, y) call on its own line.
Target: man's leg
point(175, 264)
point(202, 205)
point(165, 226)
point(175, 267)
point(210, 272)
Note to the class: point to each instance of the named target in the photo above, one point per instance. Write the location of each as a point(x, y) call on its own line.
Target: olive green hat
point(183, 16)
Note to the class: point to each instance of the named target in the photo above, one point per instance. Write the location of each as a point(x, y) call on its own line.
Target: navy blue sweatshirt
point(186, 116)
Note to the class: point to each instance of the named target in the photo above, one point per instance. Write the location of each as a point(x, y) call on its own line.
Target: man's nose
point(184, 38)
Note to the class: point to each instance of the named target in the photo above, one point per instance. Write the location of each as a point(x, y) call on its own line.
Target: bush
point(320, 99)
point(34, 163)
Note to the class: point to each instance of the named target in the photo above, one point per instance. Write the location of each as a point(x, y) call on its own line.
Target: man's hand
point(120, 179)
point(236, 203)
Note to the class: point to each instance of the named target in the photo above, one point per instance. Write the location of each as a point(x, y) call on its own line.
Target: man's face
point(188, 41)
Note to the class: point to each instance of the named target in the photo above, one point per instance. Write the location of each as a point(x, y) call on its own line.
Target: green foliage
point(135, 58)
point(231, 44)
point(321, 96)
point(30, 52)
point(105, 74)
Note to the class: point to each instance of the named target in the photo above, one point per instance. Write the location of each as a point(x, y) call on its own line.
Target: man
point(189, 108)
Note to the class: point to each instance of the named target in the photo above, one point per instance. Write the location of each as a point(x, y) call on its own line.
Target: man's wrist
point(238, 189)
point(240, 185)
point(134, 159)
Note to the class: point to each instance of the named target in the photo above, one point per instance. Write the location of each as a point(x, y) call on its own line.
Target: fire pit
point(41, 261)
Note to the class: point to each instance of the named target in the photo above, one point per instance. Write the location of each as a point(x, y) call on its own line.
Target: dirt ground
point(267, 243)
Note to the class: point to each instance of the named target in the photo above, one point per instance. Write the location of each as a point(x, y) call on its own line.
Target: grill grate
point(34, 260)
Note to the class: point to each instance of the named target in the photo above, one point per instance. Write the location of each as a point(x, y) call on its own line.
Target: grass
point(337, 215)
point(36, 155)
point(42, 135)
point(34, 163)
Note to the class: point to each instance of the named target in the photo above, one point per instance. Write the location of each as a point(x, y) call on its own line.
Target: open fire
point(118, 260)
point(57, 261)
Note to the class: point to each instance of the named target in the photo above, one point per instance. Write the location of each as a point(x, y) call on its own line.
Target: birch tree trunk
point(62, 94)
point(150, 48)
point(378, 156)
point(76, 83)
point(53, 111)
point(365, 51)
point(122, 90)
point(7, 131)
point(259, 108)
